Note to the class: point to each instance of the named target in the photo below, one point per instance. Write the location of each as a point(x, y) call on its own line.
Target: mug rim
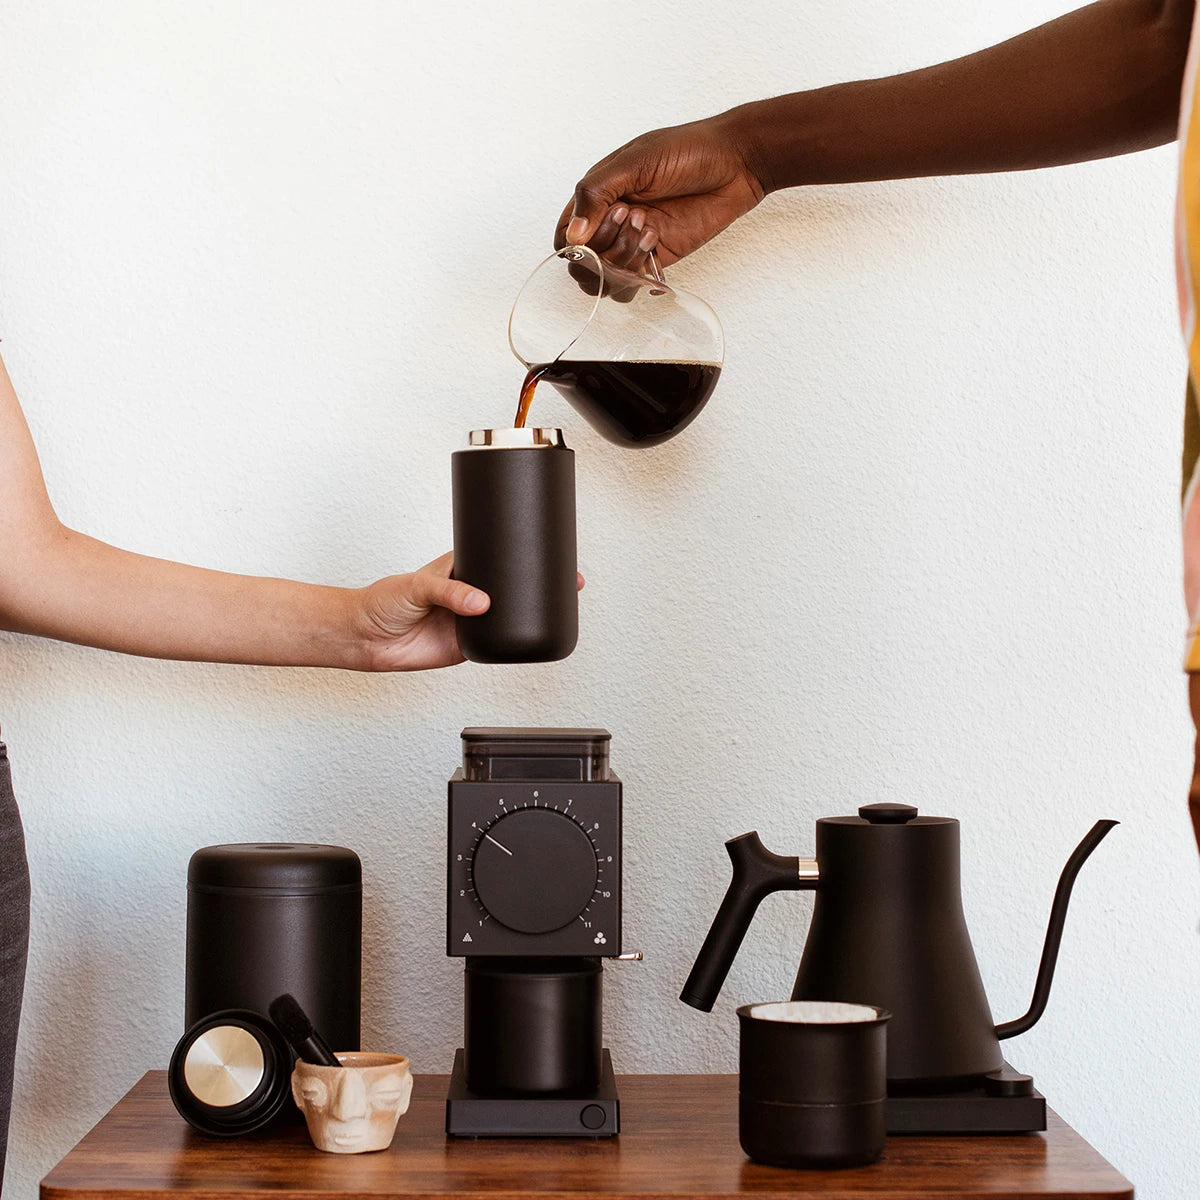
point(379, 1059)
point(750, 1012)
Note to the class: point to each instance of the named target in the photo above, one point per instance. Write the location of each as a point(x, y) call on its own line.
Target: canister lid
point(275, 867)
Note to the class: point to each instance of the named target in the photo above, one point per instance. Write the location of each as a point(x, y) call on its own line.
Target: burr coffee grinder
point(534, 905)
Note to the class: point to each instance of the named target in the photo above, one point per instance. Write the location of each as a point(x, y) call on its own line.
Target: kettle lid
point(887, 812)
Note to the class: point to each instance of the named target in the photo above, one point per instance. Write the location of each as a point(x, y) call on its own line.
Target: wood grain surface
point(679, 1138)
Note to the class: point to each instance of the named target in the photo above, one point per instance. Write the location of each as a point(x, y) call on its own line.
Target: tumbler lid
point(512, 437)
point(279, 868)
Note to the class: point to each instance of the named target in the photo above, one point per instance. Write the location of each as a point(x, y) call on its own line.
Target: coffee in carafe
point(632, 355)
point(632, 403)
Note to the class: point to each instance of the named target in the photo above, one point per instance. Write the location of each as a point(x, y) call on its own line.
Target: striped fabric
point(1187, 272)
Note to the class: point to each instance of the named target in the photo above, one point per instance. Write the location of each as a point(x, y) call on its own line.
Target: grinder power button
point(592, 1116)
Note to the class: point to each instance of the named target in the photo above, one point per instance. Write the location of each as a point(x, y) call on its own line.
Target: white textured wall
point(255, 268)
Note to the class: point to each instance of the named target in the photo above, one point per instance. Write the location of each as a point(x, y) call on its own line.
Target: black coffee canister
point(269, 918)
point(514, 537)
point(532, 1025)
point(812, 1083)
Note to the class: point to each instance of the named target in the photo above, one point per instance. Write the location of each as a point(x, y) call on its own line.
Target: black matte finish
point(1007, 1082)
point(888, 929)
point(1054, 930)
point(262, 1106)
point(812, 1135)
point(811, 1095)
point(808, 1062)
point(264, 919)
point(531, 896)
point(887, 812)
point(534, 903)
point(514, 537)
point(286, 868)
point(995, 1104)
point(532, 1026)
point(593, 1114)
point(306, 1041)
point(535, 870)
point(756, 874)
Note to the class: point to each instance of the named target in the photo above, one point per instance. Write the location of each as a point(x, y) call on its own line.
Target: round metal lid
point(224, 1066)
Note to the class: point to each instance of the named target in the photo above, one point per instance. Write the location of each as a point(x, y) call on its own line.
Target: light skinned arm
point(61, 584)
point(1099, 81)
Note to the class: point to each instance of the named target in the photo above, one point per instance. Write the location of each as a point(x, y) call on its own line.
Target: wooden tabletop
point(679, 1138)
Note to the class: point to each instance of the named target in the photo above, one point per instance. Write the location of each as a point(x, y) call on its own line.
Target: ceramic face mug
point(353, 1107)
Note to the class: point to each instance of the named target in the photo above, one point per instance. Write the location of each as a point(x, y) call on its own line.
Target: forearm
point(1099, 81)
point(60, 584)
point(77, 589)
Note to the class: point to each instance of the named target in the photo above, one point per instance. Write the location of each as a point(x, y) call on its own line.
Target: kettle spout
point(1058, 917)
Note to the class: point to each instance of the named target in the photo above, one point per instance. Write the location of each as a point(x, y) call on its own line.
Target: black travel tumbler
point(514, 537)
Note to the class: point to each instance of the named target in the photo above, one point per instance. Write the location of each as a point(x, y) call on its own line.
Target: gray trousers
point(14, 940)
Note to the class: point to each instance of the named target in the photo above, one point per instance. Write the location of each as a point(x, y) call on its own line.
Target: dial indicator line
point(496, 843)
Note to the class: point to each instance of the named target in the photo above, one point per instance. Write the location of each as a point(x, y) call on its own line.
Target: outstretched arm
point(62, 584)
point(1099, 81)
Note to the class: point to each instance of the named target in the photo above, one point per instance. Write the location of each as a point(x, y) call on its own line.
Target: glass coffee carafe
point(637, 358)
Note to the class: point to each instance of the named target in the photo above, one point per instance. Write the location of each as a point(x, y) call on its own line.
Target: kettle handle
point(1054, 930)
point(756, 873)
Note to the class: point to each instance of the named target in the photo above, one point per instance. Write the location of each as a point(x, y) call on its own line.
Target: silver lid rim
point(515, 438)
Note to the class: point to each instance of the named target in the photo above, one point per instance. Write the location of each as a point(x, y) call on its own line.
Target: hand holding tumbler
point(514, 537)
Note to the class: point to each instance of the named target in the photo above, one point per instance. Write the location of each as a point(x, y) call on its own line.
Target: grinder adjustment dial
point(534, 863)
point(534, 870)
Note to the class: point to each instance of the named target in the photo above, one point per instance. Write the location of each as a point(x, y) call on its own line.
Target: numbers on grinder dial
point(534, 870)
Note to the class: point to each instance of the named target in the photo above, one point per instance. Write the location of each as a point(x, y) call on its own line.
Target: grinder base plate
point(594, 1115)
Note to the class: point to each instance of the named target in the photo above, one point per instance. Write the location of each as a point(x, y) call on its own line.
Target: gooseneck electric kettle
point(887, 929)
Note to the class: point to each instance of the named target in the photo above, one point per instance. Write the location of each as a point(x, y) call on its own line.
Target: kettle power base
point(591, 1115)
point(1005, 1102)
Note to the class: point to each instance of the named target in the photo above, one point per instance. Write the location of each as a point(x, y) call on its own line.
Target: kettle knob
point(887, 813)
